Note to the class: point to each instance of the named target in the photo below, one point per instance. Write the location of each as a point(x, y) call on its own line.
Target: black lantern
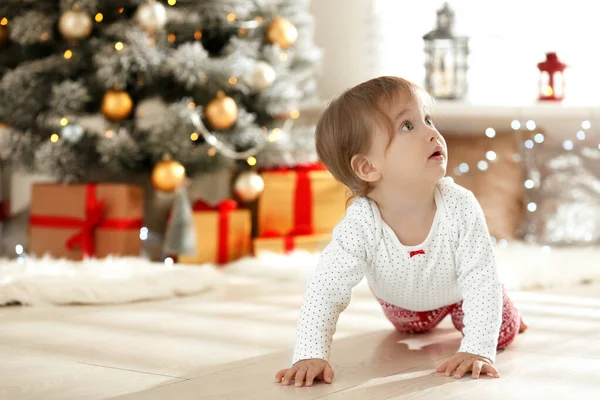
point(446, 59)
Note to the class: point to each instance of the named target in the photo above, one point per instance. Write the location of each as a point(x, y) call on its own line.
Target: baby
point(421, 241)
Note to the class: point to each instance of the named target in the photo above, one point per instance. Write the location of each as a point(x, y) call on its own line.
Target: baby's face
point(417, 153)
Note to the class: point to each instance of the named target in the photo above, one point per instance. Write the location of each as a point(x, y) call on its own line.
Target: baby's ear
point(364, 168)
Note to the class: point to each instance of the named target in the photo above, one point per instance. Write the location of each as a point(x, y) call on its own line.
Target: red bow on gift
point(224, 205)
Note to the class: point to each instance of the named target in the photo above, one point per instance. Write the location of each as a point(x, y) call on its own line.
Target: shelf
point(558, 121)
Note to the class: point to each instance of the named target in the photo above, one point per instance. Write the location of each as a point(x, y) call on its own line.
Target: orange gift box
point(300, 201)
point(87, 220)
point(222, 231)
point(284, 245)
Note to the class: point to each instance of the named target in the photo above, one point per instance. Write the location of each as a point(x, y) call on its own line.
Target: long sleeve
point(340, 268)
point(478, 281)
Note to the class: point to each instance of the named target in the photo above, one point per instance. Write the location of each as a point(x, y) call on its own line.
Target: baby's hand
point(464, 362)
point(314, 368)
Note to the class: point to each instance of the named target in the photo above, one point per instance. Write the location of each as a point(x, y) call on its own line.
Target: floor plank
point(38, 376)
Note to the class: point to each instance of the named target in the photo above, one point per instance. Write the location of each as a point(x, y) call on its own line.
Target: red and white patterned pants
point(423, 321)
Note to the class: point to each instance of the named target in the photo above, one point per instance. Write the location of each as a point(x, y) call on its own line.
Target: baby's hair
point(345, 128)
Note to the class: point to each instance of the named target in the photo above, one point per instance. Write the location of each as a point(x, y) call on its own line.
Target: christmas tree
point(112, 86)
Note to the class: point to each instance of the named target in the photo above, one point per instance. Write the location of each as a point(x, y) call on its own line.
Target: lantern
point(446, 58)
point(552, 82)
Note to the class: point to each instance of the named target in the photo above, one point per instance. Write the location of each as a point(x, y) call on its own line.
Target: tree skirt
point(47, 281)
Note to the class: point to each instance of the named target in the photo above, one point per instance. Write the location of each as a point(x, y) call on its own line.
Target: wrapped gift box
point(222, 232)
point(87, 220)
point(298, 201)
point(314, 243)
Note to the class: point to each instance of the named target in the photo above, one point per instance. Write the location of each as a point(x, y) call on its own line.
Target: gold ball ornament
point(221, 112)
point(4, 35)
point(152, 16)
point(248, 186)
point(75, 25)
point(168, 175)
point(116, 105)
point(281, 32)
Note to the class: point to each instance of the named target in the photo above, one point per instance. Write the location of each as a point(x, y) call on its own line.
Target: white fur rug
point(120, 280)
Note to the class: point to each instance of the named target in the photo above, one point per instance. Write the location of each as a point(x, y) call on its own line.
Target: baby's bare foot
point(523, 327)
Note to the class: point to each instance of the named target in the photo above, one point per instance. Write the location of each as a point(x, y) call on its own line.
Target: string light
point(119, 46)
point(121, 10)
point(54, 138)
point(64, 122)
point(568, 145)
point(586, 124)
point(273, 136)
point(68, 54)
point(231, 17)
point(45, 36)
point(251, 161)
point(259, 19)
point(198, 34)
point(530, 125)
point(194, 136)
point(109, 133)
point(171, 38)
point(491, 155)
point(529, 144)
point(192, 105)
point(19, 249)
point(516, 125)
point(531, 207)
point(4, 21)
point(482, 165)
point(172, 2)
point(143, 233)
point(295, 114)
point(529, 184)
point(490, 132)
point(283, 57)
point(539, 138)
point(212, 152)
point(581, 135)
point(169, 261)
point(233, 80)
point(463, 168)
point(99, 17)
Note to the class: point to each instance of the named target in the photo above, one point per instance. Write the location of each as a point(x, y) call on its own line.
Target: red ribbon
point(302, 167)
point(4, 209)
point(224, 208)
point(288, 240)
point(302, 196)
point(93, 220)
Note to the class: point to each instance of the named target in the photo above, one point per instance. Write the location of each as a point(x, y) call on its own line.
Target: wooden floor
point(229, 344)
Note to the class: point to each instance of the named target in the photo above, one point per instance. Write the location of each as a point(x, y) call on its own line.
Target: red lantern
point(552, 81)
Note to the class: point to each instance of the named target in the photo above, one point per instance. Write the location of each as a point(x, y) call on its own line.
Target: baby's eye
point(407, 126)
point(429, 120)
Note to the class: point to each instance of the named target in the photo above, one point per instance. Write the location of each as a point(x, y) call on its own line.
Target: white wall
point(344, 30)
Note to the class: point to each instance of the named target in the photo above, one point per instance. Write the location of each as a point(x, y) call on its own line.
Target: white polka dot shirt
point(457, 265)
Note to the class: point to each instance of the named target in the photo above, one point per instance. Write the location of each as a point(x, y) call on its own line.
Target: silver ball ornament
point(75, 25)
point(151, 16)
point(248, 186)
point(262, 76)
